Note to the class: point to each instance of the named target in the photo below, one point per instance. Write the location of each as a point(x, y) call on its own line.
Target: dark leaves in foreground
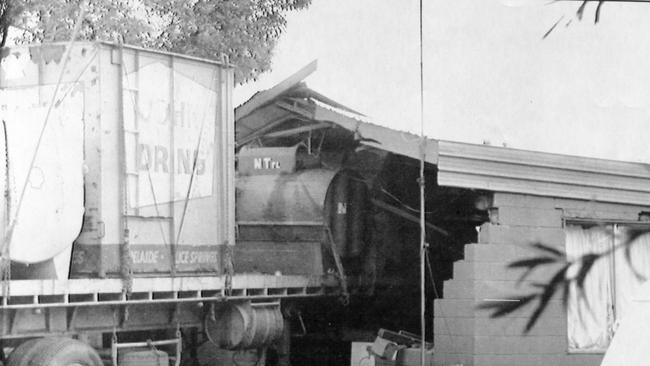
point(560, 282)
point(569, 273)
point(632, 235)
point(544, 292)
point(580, 12)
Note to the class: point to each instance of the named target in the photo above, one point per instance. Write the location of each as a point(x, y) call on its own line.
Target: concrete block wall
point(467, 335)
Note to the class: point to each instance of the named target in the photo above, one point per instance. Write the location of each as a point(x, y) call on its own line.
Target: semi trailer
point(118, 214)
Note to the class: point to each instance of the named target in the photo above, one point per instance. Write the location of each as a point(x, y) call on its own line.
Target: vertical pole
point(422, 207)
point(126, 269)
point(172, 169)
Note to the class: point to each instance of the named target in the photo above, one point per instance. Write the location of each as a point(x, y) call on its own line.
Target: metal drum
point(245, 325)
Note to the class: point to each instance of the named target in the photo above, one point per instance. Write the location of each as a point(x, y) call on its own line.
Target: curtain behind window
point(589, 322)
point(626, 281)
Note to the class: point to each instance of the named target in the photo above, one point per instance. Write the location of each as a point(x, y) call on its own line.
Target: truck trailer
point(118, 214)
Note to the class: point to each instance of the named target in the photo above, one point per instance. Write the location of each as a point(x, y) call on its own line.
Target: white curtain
point(627, 281)
point(590, 313)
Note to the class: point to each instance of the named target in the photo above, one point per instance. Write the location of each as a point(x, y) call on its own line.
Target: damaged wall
point(465, 334)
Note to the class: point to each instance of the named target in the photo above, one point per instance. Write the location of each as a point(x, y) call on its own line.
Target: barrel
point(245, 325)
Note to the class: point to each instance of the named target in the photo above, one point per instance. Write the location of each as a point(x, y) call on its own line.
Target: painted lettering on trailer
point(158, 159)
point(265, 163)
point(182, 257)
point(144, 256)
point(170, 135)
point(191, 257)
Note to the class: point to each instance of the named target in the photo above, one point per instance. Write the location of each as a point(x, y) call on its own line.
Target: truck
point(118, 214)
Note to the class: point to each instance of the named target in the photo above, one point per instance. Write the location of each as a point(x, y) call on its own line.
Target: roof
point(491, 168)
point(543, 174)
point(291, 100)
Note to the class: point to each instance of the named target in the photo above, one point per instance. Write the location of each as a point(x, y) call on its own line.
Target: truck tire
point(55, 351)
point(20, 355)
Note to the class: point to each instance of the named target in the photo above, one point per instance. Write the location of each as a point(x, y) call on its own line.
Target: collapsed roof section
point(290, 112)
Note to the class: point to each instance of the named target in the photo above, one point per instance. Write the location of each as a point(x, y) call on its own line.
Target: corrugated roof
point(384, 138)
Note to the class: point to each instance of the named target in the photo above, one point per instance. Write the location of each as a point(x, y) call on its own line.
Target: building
point(486, 208)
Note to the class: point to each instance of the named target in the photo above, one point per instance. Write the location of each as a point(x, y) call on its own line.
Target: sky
point(489, 76)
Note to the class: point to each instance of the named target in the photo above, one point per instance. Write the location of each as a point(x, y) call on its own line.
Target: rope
point(345, 294)
point(138, 112)
point(126, 261)
point(12, 224)
point(194, 166)
point(190, 184)
point(126, 266)
point(5, 264)
point(229, 268)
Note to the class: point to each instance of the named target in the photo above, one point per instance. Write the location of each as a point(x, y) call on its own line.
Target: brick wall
point(467, 335)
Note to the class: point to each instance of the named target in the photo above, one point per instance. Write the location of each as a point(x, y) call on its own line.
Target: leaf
point(581, 10)
point(550, 289)
point(244, 30)
point(532, 262)
point(549, 249)
point(565, 294)
point(631, 238)
point(597, 16)
point(586, 262)
point(548, 32)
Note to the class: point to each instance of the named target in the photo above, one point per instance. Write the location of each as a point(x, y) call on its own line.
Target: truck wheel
point(55, 351)
point(20, 355)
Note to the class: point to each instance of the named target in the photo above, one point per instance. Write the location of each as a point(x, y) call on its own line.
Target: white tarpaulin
point(631, 343)
point(52, 209)
point(164, 151)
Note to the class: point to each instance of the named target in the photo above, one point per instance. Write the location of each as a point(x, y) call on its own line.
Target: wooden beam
point(260, 132)
point(267, 96)
point(297, 130)
point(296, 108)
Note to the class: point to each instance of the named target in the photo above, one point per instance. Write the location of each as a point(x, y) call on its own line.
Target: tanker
point(288, 203)
point(118, 214)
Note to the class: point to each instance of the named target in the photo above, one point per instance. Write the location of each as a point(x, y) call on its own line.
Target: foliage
point(570, 274)
point(245, 31)
point(580, 12)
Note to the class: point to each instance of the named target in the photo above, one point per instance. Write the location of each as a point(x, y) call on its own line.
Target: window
point(594, 315)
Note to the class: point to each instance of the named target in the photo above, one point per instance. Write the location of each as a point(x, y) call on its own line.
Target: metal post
point(422, 207)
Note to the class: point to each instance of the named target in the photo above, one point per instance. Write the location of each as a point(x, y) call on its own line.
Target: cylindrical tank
point(301, 206)
point(284, 207)
point(245, 325)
